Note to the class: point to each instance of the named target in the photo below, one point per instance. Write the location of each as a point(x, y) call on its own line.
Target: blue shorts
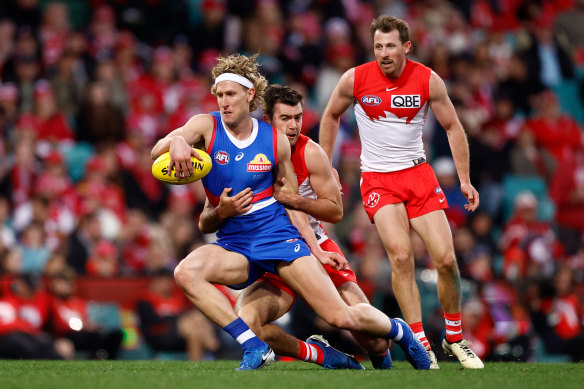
point(265, 249)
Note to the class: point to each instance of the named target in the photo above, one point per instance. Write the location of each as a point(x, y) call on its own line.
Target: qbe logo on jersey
point(405, 101)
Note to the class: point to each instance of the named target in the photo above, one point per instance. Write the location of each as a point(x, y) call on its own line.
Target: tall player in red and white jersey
point(391, 97)
point(318, 196)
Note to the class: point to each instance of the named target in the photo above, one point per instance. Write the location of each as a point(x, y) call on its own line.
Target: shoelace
point(464, 345)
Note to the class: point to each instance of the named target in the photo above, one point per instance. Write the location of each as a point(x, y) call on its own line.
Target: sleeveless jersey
point(304, 186)
point(239, 164)
point(390, 115)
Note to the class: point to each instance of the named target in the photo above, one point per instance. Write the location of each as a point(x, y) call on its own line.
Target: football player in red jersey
point(391, 97)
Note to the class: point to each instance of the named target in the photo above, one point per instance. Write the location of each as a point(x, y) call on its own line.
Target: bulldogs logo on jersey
point(370, 100)
point(221, 157)
point(260, 163)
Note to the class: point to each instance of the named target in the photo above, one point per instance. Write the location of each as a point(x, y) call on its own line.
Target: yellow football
point(200, 169)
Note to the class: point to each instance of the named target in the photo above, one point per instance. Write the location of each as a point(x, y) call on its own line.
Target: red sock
point(419, 332)
point(310, 353)
point(453, 327)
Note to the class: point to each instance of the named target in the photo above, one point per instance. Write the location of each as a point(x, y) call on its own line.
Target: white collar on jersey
point(242, 144)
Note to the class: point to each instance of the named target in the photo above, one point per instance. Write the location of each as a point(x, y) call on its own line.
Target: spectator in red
point(19, 339)
point(49, 124)
point(55, 187)
point(54, 32)
point(126, 60)
point(100, 195)
point(145, 114)
point(567, 191)
point(164, 78)
point(554, 130)
point(168, 323)
point(135, 238)
point(102, 32)
point(191, 96)
point(556, 315)
point(30, 300)
point(479, 326)
point(69, 318)
point(23, 171)
point(103, 261)
point(529, 245)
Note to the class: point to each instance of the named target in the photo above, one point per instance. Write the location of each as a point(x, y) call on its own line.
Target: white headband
point(235, 78)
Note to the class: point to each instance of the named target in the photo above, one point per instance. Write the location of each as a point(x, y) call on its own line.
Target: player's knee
point(341, 320)
point(187, 273)
point(181, 275)
point(447, 264)
point(402, 262)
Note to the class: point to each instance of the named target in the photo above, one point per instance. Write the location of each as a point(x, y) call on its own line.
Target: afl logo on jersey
point(260, 163)
point(405, 101)
point(370, 100)
point(221, 157)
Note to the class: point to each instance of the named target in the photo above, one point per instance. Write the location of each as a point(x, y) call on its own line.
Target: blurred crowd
point(87, 87)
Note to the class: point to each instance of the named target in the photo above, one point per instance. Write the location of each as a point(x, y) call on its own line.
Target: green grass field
point(221, 374)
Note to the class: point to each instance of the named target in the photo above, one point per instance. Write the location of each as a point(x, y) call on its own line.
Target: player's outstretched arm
point(298, 218)
point(340, 100)
point(212, 217)
point(446, 115)
point(328, 206)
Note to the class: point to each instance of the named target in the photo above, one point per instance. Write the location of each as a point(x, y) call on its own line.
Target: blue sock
point(241, 332)
point(396, 330)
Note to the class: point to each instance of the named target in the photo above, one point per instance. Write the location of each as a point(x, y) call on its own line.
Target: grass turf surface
point(221, 374)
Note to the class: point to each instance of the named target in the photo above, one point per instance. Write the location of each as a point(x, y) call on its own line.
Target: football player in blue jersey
point(320, 197)
point(254, 155)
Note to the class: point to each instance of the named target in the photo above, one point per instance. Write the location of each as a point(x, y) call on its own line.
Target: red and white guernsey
point(304, 186)
point(390, 115)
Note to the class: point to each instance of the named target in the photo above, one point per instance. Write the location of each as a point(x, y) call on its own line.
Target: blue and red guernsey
point(241, 164)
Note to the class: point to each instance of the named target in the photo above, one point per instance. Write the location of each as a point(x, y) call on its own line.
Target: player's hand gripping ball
point(200, 169)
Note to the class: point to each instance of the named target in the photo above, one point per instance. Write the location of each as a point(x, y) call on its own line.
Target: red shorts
point(417, 187)
point(338, 277)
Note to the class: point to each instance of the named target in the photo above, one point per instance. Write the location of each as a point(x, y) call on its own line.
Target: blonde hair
point(246, 67)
